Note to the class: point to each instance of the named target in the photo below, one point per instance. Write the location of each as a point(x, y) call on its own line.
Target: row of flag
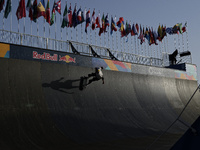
point(78, 17)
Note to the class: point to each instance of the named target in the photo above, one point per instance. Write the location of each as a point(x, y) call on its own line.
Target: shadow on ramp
point(190, 140)
point(61, 85)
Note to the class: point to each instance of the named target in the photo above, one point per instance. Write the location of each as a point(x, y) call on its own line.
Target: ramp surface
point(42, 108)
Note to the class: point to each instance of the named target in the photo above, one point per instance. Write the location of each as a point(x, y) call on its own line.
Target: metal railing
point(82, 48)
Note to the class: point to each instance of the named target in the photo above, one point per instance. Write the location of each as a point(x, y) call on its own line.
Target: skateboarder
point(96, 76)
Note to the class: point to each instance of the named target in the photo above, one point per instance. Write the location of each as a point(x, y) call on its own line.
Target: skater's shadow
point(62, 86)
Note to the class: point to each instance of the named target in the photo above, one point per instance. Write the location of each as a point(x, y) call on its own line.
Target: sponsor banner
point(4, 50)
point(190, 74)
point(111, 65)
point(36, 54)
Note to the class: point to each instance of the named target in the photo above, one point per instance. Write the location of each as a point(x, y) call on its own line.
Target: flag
point(69, 13)
point(1, 4)
point(43, 3)
point(93, 20)
point(74, 18)
point(106, 23)
point(29, 5)
point(180, 28)
point(41, 9)
point(176, 28)
point(169, 30)
point(48, 18)
point(113, 25)
point(137, 28)
point(21, 10)
point(35, 12)
point(155, 36)
point(101, 30)
point(184, 27)
point(8, 8)
point(29, 8)
point(65, 18)
point(98, 21)
point(151, 37)
point(163, 32)
point(58, 6)
point(133, 30)
point(83, 16)
point(141, 36)
point(128, 29)
point(87, 20)
point(119, 23)
point(53, 13)
point(159, 33)
point(146, 35)
point(79, 16)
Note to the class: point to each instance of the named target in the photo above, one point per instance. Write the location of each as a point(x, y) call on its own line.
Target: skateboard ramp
point(42, 108)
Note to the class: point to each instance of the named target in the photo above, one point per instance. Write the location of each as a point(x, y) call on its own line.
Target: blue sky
point(149, 13)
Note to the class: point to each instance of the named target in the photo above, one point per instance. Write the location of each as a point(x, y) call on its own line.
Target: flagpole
point(67, 25)
point(3, 19)
point(49, 35)
point(116, 42)
point(164, 43)
point(61, 31)
point(174, 42)
point(66, 33)
point(76, 34)
point(104, 34)
point(37, 33)
point(99, 30)
point(138, 52)
point(95, 37)
point(179, 45)
point(24, 26)
point(104, 37)
point(124, 49)
point(90, 35)
point(121, 44)
point(11, 22)
point(44, 27)
point(116, 38)
point(18, 25)
point(95, 33)
point(91, 30)
point(167, 44)
point(76, 24)
point(31, 32)
point(24, 29)
point(108, 37)
point(55, 31)
point(145, 46)
point(18, 29)
point(82, 27)
point(148, 50)
point(163, 48)
point(112, 34)
point(187, 37)
point(71, 33)
point(131, 45)
point(135, 44)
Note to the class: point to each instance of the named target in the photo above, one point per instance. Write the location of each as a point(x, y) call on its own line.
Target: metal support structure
point(37, 41)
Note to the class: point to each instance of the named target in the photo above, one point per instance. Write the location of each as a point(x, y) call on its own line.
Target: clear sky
point(149, 13)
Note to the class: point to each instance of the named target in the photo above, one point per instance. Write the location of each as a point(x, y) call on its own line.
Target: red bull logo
point(45, 56)
point(67, 59)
